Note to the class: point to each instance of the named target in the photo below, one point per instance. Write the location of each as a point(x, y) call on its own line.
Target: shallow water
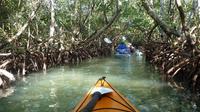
point(62, 88)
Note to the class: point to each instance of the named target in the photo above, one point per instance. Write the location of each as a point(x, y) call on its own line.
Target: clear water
point(62, 88)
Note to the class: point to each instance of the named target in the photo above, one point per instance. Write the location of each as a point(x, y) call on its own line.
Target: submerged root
point(178, 64)
point(22, 63)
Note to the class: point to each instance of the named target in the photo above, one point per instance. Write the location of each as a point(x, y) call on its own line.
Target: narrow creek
point(62, 87)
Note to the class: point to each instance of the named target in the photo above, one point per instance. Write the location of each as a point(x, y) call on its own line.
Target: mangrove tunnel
point(36, 35)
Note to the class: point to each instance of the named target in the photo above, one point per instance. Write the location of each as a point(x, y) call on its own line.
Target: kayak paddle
point(107, 40)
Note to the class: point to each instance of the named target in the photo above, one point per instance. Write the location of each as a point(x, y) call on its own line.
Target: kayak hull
point(122, 55)
point(111, 102)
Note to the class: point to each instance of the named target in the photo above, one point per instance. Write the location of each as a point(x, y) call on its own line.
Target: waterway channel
point(61, 88)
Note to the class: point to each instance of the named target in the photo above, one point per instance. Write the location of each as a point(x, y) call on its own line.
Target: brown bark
point(184, 28)
point(170, 6)
point(105, 17)
point(162, 24)
point(181, 13)
point(100, 31)
point(151, 31)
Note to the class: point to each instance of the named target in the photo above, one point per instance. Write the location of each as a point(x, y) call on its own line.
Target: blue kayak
point(122, 50)
point(122, 55)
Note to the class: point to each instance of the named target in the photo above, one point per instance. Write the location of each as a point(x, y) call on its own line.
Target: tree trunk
point(100, 31)
point(198, 8)
point(185, 29)
point(162, 24)
point(192, 12)
point(181, 13)
point(53, 22)
point(161, 15)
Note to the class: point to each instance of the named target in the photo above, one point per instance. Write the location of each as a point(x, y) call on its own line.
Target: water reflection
point(63, 87)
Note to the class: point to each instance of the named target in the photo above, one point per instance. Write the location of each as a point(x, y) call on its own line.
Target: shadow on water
point(63, 87)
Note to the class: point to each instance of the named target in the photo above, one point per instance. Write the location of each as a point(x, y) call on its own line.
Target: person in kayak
point(122, 48)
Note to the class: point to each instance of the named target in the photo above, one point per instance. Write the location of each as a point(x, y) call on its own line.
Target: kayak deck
point(111, 102)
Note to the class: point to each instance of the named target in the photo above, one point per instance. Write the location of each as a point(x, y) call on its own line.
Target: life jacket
point(122, 49)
